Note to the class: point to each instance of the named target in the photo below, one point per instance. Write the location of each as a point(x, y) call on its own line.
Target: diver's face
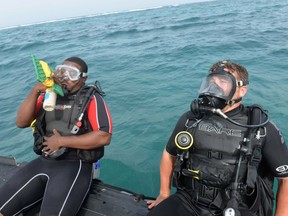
point(222, 82)
point(65, 81)
point(218, 84)
point(240, 92)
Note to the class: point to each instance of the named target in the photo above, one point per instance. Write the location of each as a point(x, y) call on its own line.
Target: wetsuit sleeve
point(99, 115)
point(171, 148)
point(275, 151)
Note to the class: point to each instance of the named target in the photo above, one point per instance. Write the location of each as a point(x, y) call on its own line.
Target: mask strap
point(232, 102)
point(242, 83)
point(83, 74)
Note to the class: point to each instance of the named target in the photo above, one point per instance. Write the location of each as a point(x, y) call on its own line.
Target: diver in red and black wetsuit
point(61, 176)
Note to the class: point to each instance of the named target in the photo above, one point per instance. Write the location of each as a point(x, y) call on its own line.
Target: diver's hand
point(159, 199)
point(26, 111)
point(57, 79)
point(39, 87)
point(52, 143)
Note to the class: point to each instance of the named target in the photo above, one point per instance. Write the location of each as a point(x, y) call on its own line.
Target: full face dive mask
point(216, 91)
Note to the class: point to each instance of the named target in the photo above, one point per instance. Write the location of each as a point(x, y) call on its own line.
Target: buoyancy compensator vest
point(222, 170)
point(69, 118)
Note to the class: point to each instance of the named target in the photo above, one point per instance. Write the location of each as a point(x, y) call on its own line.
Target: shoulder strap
point(39, 118)
point(85, 95)
point(255, 117)
point(182, 155)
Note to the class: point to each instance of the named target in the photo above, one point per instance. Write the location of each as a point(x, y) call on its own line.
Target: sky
point(23, 12)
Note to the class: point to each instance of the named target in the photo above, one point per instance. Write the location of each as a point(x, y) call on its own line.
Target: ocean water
point(150, 64)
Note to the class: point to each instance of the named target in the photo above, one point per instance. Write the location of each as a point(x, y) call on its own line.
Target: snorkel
point(45, 76)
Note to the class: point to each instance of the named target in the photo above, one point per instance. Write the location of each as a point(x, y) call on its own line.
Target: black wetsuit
point(214, 131)
point(62, 183)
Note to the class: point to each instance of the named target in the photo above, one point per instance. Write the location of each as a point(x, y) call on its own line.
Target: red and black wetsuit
point(66, 178)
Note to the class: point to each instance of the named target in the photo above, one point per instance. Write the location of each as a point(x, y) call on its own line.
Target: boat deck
point(103, 199)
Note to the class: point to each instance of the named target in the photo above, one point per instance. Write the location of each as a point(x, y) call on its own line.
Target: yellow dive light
point(184, 140)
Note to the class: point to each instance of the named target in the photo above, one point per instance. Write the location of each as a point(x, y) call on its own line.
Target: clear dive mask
point(66, 72)
point(220, 84)
point(216, 92)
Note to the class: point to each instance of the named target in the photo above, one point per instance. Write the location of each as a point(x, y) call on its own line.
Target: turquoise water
point(150, 64)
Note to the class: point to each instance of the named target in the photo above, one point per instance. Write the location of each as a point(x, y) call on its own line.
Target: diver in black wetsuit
point(61, 176)
point(223, 161)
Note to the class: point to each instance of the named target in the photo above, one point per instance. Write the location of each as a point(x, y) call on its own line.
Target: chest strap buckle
point(216, 155)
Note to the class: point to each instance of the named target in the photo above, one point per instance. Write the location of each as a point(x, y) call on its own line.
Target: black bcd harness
point(79, 121)
point(251, 154)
